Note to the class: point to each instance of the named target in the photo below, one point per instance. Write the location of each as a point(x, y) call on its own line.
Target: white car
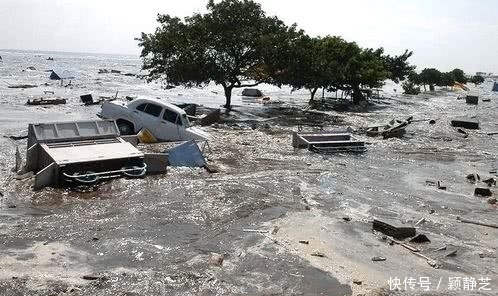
point(165, 121)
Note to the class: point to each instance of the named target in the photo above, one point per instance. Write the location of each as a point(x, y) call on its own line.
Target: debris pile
point(394, 129)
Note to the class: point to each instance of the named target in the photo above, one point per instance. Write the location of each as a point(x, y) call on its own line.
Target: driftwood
point(255, 230)
point(477, 223)
point(43, 101)
point(416, 252)
point(22, 86)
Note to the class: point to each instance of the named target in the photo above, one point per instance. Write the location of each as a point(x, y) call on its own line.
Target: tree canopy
point(234, 45)
point(333, 63)
point(432, 77)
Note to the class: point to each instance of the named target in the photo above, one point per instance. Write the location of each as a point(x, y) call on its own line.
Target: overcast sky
point(442, 33)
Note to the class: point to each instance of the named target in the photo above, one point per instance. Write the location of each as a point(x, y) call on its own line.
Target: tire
point(87, 179)
point(125, 128)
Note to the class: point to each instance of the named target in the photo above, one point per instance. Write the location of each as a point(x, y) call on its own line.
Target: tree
point(234, 45)
point(431, 77)
point(319, 63)
point(398, 66)
point(477, 79)
point(446, 79)
point(410, 88)
point(366, 68)
point(459, 75)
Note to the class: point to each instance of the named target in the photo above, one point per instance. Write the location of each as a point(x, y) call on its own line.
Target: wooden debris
point(318, 254)
point(419, 239)
point(473, 100)
point(255, 230)
point(378, 258)
point(473, 177)
point(21, 137)
point(216, 259)
point(23, 86)
point(491, 200)
point(482, 191)
point(92, 277)
point(421, 221)
point(465, 123)
point(490, 181)
point(357, 281)
point(430, 261)
point(43, 101)
point(477, 223)
point(397, 232)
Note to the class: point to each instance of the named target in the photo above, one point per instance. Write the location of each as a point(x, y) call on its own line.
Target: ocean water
point(154, 236)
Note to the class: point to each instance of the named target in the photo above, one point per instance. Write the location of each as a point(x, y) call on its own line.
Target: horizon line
point(61, 51)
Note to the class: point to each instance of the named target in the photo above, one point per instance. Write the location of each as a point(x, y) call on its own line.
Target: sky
point(443, 34)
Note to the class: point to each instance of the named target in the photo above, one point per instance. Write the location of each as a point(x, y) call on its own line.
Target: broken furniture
point(81, 153)
point(327, 142)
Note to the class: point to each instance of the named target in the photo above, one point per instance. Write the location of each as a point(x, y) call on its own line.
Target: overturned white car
point(165, 121)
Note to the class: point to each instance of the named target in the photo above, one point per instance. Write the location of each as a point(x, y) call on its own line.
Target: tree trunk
point(228, 95)
point(356, 95)
point(431, 87)
point(425, 89)
point(313, 92)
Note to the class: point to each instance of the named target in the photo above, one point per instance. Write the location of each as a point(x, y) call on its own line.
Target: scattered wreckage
point(43, 101)
point(83, 153)
point(328, 142)
point(80, 153)
point(394, 129)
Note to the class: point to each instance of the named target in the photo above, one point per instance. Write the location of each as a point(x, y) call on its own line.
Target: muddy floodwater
point(273, 220)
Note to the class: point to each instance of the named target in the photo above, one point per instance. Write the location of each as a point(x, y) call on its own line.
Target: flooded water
point(155, 236)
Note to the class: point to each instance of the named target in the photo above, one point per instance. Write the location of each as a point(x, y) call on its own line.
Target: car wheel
point(125, 128)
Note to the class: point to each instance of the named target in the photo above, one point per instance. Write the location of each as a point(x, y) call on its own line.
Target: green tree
point(459, 76)
point(410, 88)
point(319, 63)
point(366, 68)
point(398, 66)
point(431, 77)
point(477, 79)
point(446, 79)
point(234, 45)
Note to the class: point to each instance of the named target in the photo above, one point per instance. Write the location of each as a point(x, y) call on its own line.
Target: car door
point(149, 114)
point(168, 126)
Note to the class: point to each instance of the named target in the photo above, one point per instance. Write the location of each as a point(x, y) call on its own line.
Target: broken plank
point(477, 223)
